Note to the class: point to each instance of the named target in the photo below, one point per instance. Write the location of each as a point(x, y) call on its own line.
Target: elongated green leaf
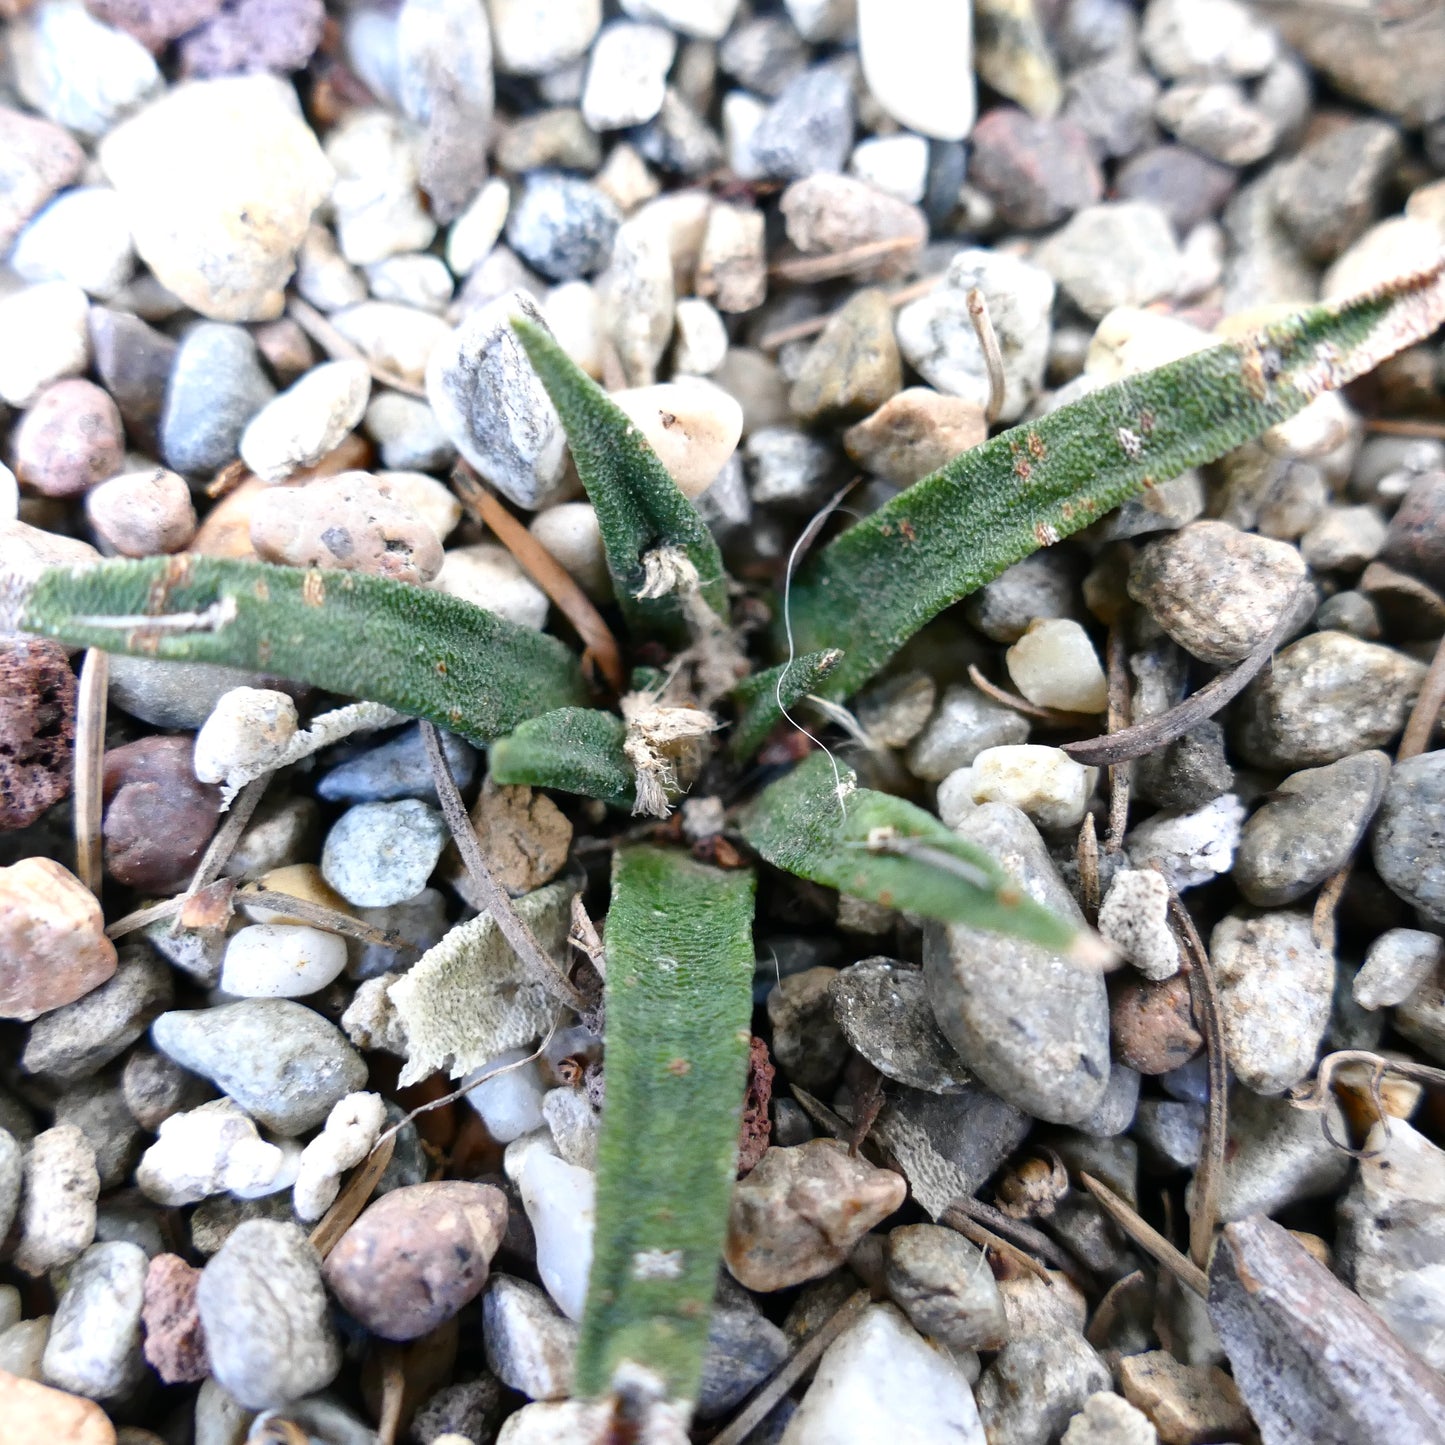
point(575, 749)
point(763, 697)
point(639, 507)
point(679, 1002)
point(877, 584)
point(873, 845)
point(422, 652)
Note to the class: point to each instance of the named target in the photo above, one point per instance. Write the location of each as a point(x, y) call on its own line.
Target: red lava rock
point(247, 35)
point(1153, 1024)
point(53, 948)
point(417, 1255)
point(155, 23)
point(69, 440)
point(175, 1340)
point(37, 729)
point(158, 818)
point(757, 1124)
point(1037, 172)
point(36, 160)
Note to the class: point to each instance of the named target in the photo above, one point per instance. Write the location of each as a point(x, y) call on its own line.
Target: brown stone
point(36, 160)
point(37, 729)
point(53, 948)
point(1416, 540)
point(524, 835)
point(34, 1414)
point(158, 818)
point(854, 366)
point(175, 1341)
point(70, 439)
point(1189, 1404)
point(141, 514)
point(417, 1256)
point(1037, 172)
point(757, 1126)
point(800, 1212)
point(1153, 1024)
point(914, 433)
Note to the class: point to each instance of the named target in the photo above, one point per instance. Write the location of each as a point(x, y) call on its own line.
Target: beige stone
point(34, 1414)
point(693, 427)
point(53, 948)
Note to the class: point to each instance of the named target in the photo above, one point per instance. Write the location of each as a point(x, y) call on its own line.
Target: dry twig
point(803, 269)
point(223, 844)
point(1086, 855)
point(1147, 1237)
point(1050, 716)
point(1315, 1096)
point(992, 357)
point(985, 1238)
point(88, 786)
point(1426, 712)
point(1117, 653)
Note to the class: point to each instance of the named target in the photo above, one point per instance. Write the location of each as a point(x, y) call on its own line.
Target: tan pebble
point(732, 267)
point(34, 1414)
point(1187, 1403)
point(914, 433)
point(693, 427)
point(524, 836)
point(827, 213)
point(226, 530)
point(854, 366)
point(53, 948)
point(296, 880)
point(1152, 1024)
point(142, 513)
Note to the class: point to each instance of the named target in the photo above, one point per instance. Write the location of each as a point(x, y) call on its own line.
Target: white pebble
point(489, 576)
point(742, 114)
point(627, 78)
point(955, 797)
point(569, 531)
point(692, 425)
point(700, 19)
point(701, 338)
point(306, 421)
point(210, 1150)
point(43, 336)
point(399, 339)
point(510, 1105)
point(918, 61)
point(247, 728)
point(897, 164)
point(536, 39)
point(1190, 848)
point(1399, 961)
point(83, 237)
point(1046, 783)
point(416, 279)
point(281, 960)
point(560, 1202)
point(1135, 915)
point(351, 1129)
point(377, 196)
point(574, 313)
point(477, 229)
point(1054, 665)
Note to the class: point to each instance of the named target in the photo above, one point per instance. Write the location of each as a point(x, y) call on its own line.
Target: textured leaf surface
point(424, 653)
point(639, 507)
point(679, 1004)
point(763, 697)
point(873, 587)
point(575, 749)
point(876, 846)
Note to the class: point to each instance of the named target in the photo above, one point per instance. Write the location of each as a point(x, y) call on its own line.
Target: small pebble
point(853, 367)
point(393, 337)
point(53, 948)
point(280, 1061)
point(529, 41)
point(266, 1317)
point(1184, 1402)
point(248, 728)
point(562, 226)
point(304, 423)
point(1135, 915)
point(785, 465)
point(966, 724)
point(40, 158)
point(158, 817)
point(627, 76)
point(1399, 961)
point(914, 433)
point(489, 576)
point(57, 1208)
point(635, 298)
point(397, 768)
point(1275, 987)
point(559, 1200)
point(376, 200)
point(1037, 173)
point(417, 1256)
point(732, 264)
point(825, 214)
point(94, 1348)
point(175, 1343)
point(895, 164)
point(1193, 848)
point(1045, 783)
point(570, 532)
point(69, 439)
point(43, 338)
point(1278, 1155)
point(1409, 852)
point(800, 1211)
point(808, 128)
point(407, 433)
point(882, 1008)
point(701, 338)
point(141, 514)
point(510, 1105)
point(12, 1174)
point(208, 1150)
point(382, 853)
point(807, 1042)
point(219, 180)
point(1054, 665)
point(1109, 1419)
point(1121, 253)
point(531, 1346)
point(33, 1411)
point(280, 960)
point(693, 427)
point(945, 1287)
point(83, 237)
point(217, 384)
point(930, 88)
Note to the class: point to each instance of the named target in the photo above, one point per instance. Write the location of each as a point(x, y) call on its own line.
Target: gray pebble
point(266, 1316)
point(743, 1349)
point(1121, 253)
point(679, 140)
point(377, 854)
point(406, 430)
point(133, 362)
point(945, 1287)
point(763, 55)
point(420, 921)
point(965, 724)
point(216, 386)
point(1351, 612)
point(807, 1042)
point(213, 1221)
point(574, 1124)
point(494, 408)
point(81, 1038)
point(562, 226)
point(1114, 1113)
point(1045, 584)
point(280, 1061)
point(1399, 961)
point(531, 1345)
point(1174, 1130)
point(12, 1172)
point(1309, 828)
point(97, 1107)
point(1409, 849)
point(808, 128)
point(397, 768)
point(1278, 1155)
point(1113, 105)
point(1186, 186)
point(57, 1211)
point(94, 1347)
point(1031, 1024)
point(469, 1408)
point(882, 1007)
point(785, 465)
point(1324, 697)
point(1192, 770)
point(173, 694)
point(1275, 987)
point(1331, 191)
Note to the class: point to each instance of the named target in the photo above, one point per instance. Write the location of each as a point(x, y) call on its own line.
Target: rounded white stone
point(299, 427)
point(536, 37)
point(476, 230)
point(377, 197)
point(398, 338)
point(918, 61)
point(416, 279)
point(281, 960)
point(43, 337)
point(692, 425)
point(489, 576)
point(560, 1202)
point(1046, 783)
point(701, 338)
point(574, 313)
point(247, 728)
point(1054, 665)
point(627, 78)
point(955, 797)
point(569, 531)
point(897, 164)
point(83, 237)
point(510, 1104)
point(203, 1151)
